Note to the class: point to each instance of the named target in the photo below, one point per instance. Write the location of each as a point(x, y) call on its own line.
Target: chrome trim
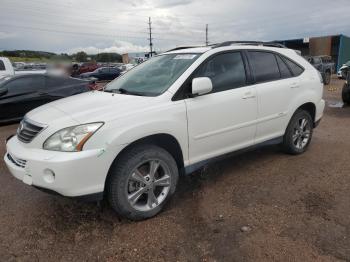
point(24, 131)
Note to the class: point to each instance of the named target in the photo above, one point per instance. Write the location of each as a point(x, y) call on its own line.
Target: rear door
point(23, 95)
point(225, 119)
point(275, 87)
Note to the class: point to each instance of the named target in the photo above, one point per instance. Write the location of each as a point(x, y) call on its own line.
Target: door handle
point(248, 95)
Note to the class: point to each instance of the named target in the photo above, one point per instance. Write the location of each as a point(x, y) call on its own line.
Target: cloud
point(120, 47)
point(57, 27)
point(170, 3)
point(5, 35)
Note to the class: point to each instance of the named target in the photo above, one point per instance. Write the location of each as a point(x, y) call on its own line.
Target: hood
point(92, 106)
point(344, 66)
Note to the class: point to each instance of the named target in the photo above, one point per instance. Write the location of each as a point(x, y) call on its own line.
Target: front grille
point(18, 162)
point(27, 130)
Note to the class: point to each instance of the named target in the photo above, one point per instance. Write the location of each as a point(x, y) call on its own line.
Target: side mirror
point(201, 86)
point(3, 91)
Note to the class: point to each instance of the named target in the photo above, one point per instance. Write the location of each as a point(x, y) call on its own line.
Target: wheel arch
point(310, 107)
point(163, 140)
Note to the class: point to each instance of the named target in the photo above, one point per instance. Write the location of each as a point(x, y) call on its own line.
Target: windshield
point(154, 76)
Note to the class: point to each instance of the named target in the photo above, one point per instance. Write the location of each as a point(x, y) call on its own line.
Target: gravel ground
point(258, 206)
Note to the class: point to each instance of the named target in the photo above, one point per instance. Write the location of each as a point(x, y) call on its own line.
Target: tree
point(108, 57)
point(81, 56)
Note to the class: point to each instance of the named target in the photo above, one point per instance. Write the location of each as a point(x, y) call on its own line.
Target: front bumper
point(71, 174)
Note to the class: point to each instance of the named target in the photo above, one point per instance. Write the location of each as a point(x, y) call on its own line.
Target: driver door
point(225, 119)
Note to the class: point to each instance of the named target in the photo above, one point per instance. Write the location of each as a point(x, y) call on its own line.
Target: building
point(336, 46)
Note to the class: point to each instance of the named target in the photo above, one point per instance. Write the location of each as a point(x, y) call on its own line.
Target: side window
point(226, 71)
point(296, 69)
point(284, 70)
point(24, 84)
point(2, 66)
point(264, 66)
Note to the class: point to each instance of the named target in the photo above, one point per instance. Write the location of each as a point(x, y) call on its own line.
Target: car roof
point(201, 50)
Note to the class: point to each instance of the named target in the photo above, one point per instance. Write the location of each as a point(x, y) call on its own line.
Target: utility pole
point(150, 36)
point(206, 35)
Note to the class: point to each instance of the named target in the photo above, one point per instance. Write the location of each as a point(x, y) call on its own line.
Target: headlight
point(71, 139)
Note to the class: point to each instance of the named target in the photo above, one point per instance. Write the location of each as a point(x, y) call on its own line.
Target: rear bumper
point(319, 110)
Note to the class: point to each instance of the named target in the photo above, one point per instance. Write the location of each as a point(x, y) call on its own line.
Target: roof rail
point(270, 44)
point(183, 47)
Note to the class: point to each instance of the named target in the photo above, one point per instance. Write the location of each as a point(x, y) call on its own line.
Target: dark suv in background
point(324, 65)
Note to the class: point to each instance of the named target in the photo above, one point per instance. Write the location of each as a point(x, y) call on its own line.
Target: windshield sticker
point(187, 56)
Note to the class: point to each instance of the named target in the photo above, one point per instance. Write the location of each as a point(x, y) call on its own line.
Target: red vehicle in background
point(83, 68)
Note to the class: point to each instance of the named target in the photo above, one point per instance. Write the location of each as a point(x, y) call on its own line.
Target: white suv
point(166, 117)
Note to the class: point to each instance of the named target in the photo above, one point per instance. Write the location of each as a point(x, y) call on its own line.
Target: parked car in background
point(83, 68)
point(103, 73)
point(22, 93)
point(126, 67)
point(167, 116)
point(324, 65)
point(344, 70)
point(6, 67)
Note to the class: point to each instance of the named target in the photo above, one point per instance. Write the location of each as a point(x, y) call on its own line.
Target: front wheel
point(299, 133)
point(141, 182)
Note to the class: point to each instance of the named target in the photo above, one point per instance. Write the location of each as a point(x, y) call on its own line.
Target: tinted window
point(29, 83)
point(2, 66)
point(284, 70)
point(296, 69)
point(104, 70)
point(226, 71)
point(114, 70)
point(264, 66)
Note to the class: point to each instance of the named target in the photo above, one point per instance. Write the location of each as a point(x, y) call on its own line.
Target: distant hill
point(42, 56)
point(28, 53)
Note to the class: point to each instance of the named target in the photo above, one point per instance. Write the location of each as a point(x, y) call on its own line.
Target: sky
point(68, 26)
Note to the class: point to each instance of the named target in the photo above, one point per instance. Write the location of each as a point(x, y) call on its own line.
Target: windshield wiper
point(128, 92)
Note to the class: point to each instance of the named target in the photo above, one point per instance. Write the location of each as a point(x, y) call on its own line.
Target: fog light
point(49, 176)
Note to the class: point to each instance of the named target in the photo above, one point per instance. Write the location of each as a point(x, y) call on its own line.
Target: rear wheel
point(299, 133)
point(346, 94)
point(142, 181)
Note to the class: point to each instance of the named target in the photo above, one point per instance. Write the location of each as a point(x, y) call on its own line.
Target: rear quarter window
point(2, 66)
point(294, 67)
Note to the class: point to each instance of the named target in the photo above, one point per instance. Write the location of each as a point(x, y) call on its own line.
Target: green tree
point(81, 56)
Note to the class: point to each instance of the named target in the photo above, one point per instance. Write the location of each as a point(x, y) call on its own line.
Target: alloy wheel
point(302, 133)
point(148, 185)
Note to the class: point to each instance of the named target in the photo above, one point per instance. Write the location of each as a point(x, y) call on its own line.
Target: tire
point(345, 94)
point(295, 133)
point(327, 78)
point(130, 187)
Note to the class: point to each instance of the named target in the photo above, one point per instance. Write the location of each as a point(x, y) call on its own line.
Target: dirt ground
point(258, 206)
